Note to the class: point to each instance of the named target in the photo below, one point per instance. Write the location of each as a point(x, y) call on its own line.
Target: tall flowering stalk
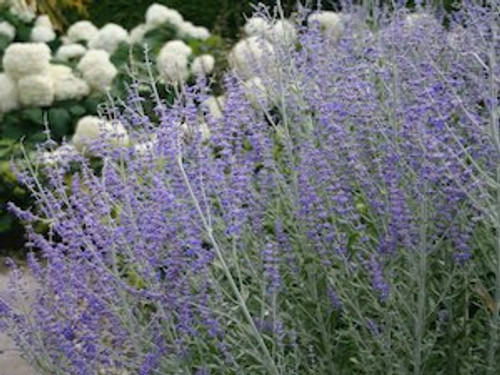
point(341, 222)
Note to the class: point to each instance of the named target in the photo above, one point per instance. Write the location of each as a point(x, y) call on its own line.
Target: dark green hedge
point(224, 17)
point(221, 16)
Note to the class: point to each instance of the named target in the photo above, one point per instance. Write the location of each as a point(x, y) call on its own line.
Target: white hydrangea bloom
point(330, 22)
point(36, 91)
point(44, 21)
point(43, 31)
point(42, 34)
point(158, 15)
point(82, 31)
point(109, 38)
point(61, 155)
point(188, 132)
point(200, 32)
point(214, 106)
point(248, 53)
point(173, 68)
point(59, 71)
point(176, 47)
point(419, 20)
point(283, 32)
point(145, 148)
point(172, 62)
point(138, 32)
point(189, 31)
point(92, 128)
point(256, 93)
point(70, 52)
point(23, 59)
point(256, 26)
point(65, 40)
point(8, 30)
point(9, 100)
point(66, 84)
point(202, 65)
point(97, 70)
point(185, 29)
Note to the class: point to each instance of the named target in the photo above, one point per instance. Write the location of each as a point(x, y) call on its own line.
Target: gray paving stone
point(11, 362)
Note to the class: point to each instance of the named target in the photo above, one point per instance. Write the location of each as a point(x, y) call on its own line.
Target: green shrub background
point(224, 17)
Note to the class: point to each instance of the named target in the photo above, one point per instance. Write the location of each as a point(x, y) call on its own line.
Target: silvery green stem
point(421, 278)
point(495, 134)
point(241, 300)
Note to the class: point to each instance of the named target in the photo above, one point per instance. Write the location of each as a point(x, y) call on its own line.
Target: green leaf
point(32, 115)
point(156, 38)
point(23, 33)
point(6, 222)
point(60, 122)
point(91, 102)
point(13, 130)
point(121, 56)
point(4, 43)
point(77, 110)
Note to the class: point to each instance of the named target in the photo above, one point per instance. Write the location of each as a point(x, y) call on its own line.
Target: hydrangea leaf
point(60, 121)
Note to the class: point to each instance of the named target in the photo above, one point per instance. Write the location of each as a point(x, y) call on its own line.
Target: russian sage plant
point(342, 219)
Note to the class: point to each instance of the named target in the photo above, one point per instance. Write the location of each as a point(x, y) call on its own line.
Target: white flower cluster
point(43, 32)
point(137, 33)
point(109, 38)
point(214, 106)
point(61, 155)
point(203, 65)
point(256, 93)
point(32, 81)
point(281, 31)
point(7, 30)
point(66, 84)
point(36, 90)
point(8, 94)
point(70, 52)
point(256, 25)
point(255, 59)
point(97, 70)
point(172, 62)
point(158, 15)
point(189, 31)
point(330, 23)
point(91, 129)
point(22, 59)
point(82, 31)
point(249, 55)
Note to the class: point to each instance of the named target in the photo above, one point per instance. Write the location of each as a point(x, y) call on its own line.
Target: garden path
point(11, 362)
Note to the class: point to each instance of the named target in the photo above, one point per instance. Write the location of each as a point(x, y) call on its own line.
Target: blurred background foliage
point(222, 17)
point(58, 10)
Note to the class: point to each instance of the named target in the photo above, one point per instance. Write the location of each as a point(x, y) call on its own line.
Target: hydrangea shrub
point(56, 80)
